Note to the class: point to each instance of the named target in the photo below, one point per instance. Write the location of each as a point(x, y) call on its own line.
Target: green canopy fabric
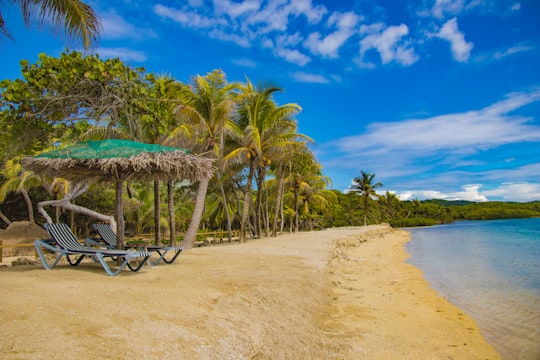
point(106, 149)
point(113, 159)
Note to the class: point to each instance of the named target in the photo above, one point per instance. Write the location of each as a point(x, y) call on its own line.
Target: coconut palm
point(391, 204)
point(301, 160)
point(73, 17)
point(268, 131)
point(17, 180)
point(208, 104)
point(140, 208)
point(309, 189)
point(156, 123)
point(366, 188)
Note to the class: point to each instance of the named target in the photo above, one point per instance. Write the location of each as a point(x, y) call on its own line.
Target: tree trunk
point(72, 219)
point(282, 217)
point(226, 205)
point(157, 213)
point(258, 202)
point(365, 211)
point(172, 220)
point(119, 213)
point(266, 214)
point(191, 233)
point(296, 215)
point(66, 204)
point(4, 218)
point(245, 210)
point(29, 205)
point(281, 183)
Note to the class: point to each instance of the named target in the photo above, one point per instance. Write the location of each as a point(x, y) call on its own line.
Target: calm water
point(491, 270)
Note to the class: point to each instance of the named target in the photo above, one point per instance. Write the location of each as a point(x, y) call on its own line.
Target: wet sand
point(335, 294)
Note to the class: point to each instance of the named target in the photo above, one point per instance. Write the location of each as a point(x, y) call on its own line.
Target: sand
point(333, 294)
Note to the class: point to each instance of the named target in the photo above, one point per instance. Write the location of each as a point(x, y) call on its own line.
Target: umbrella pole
point(119, 213)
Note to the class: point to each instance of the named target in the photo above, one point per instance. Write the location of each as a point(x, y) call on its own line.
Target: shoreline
point(341, 293)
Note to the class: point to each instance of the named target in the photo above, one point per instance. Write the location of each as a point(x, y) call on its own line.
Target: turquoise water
point(491, 270)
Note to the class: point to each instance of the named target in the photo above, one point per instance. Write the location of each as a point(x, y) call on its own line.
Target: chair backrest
point(106, 233)
point(63, 236)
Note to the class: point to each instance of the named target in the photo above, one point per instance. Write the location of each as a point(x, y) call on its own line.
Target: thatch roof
point(110, 160)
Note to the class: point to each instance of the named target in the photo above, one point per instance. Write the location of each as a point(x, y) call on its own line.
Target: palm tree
point(19, 181)
point(300, 164)
point(391, 203)
point(140, 208)
point(73, 17)
point(209, 105)
point(309, 189)
point(159, 120)
point(268, 131)
point(366, 188)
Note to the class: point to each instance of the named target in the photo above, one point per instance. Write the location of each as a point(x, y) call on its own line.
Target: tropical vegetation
point(267, 179)
point(75, 18)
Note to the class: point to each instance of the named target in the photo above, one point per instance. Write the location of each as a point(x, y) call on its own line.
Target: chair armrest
point(95, 242)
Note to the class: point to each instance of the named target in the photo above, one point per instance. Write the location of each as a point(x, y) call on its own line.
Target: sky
point(437, 98)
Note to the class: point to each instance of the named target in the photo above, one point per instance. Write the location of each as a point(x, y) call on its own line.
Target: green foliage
point(74, 18)
point(496, 210)
point(58, 98)
point(408, 222)
point(364, 186)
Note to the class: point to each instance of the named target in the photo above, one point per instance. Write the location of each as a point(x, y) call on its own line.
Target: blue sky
point(437, 98)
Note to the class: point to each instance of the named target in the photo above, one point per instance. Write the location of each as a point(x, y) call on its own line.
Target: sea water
point(491, 270)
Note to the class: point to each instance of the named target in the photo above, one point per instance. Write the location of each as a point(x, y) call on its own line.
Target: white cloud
point(388, 43)
point(123, 54)
point(287, 40)
point(235, 9)
point(511, 191)
point(512, 50)
point(489, 127)
point(461, 49)
point(468, 192)
point(115, 27)
point(443, 7)
point(244, 62)
point(187, 18)
point(309, 78)
point(519, 191)
point(314, 13)
point(419, 195)
point(229, 37)
point(292, 56)
point(276, 14)
point(329, 46)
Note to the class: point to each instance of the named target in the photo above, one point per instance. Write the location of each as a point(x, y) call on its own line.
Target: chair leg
point(76, 262)
point(177, 252)
point(106, 266)
point(39, 245)
point(121, 267)
point(141, 264)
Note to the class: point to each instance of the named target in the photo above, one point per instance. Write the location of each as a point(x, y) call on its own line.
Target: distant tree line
point(348, 210)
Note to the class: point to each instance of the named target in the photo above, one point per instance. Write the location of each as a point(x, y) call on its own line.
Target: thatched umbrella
point(118, 161)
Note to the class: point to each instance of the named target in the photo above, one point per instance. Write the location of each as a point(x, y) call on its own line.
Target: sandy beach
point(334, 294)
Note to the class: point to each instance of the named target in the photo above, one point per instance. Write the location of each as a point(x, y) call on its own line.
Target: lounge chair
point(64, 243)
point(108, 239)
